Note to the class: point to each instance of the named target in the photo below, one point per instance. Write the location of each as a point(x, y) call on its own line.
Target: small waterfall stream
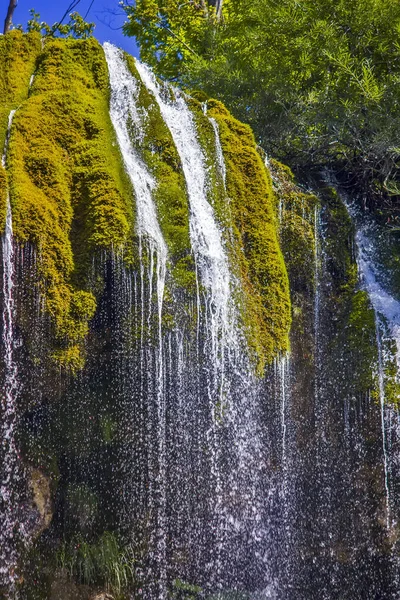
point(124, 112)
point(387, 314)
point(11, 467)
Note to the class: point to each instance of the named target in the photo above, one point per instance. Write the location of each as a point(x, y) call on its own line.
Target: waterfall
point(234, 435)
point(206, 236)
point(11, 466)
point(283, 367)
point(387, 308)
point(124, 112)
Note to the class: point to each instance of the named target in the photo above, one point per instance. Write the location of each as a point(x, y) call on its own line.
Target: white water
point(220, 155)
point(125, 113)
point(234, 437)
point(383, 303)
point(381, 381)
point(206, 236)
point(212, 263)
point(283, 369)
point(11, 467)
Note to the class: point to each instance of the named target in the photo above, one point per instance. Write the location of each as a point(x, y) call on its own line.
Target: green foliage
point(318, 81)
point(76, 27)
point(105, 562)
point(168, 33)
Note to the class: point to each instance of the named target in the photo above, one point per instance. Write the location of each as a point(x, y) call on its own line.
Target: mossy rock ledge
point(72, 201)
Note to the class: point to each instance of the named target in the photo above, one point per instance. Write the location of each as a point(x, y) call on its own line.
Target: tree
point(76, 26)
point(8, 20)
point(318, 80)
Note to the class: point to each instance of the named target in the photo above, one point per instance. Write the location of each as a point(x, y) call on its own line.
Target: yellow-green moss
point(69, 192)
point(252, 204)
point(359, 348)
point(18, 53)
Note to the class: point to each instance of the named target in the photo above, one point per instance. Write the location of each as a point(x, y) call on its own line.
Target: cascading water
point(233, 434)
point(165, 442)
point(205, 235)
point(10, 530)
point(220, 156)
point(387, 312)
point(124, 113)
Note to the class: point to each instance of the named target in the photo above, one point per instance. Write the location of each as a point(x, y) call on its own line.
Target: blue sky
point(106, 14)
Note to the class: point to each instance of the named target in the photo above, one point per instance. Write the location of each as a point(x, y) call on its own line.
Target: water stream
point(124, 112)
point(10, 531)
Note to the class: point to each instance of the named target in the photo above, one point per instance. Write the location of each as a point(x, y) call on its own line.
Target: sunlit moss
point(18, 53)
point(70, 195)
point(262, 269)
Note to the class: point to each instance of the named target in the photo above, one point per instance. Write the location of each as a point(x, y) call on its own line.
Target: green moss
point(359, 348)
point(353, 343)
point(69, 192)
point(262, 269)
point(18, 53)
point(297, 230)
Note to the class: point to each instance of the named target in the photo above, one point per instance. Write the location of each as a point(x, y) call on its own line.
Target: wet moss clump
point(69, 193)
point(263, 274)
point(18, 53)
point(296, 212)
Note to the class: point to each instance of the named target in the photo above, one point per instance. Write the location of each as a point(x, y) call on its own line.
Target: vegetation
point(252, 206)
point(318, 81)
point(76, 27)
point(105, 562)
point(18, 54)
point(70, 195)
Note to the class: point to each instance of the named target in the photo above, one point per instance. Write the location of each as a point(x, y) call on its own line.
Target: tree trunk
point(10, 12)
point(218, 10)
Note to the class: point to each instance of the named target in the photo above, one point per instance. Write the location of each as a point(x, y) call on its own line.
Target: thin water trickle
point(11, 472)
point(385, 306)
point(220, 155)
point(381, 381)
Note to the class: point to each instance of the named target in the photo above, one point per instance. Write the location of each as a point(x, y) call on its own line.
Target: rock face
point(40, 509)
point(63, 588)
